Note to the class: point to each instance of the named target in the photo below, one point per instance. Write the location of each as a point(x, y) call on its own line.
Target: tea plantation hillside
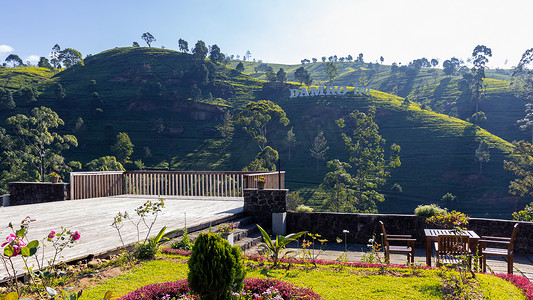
point(427, 86)
point(170, 105)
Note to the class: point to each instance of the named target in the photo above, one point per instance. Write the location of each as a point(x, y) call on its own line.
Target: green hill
point(170, 106)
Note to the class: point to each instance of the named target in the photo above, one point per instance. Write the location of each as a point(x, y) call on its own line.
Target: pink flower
point(10, 238)
point(52, 234)
point(15, 242)
point(75, 236)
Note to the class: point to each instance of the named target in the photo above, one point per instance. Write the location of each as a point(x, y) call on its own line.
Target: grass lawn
point(330, 282)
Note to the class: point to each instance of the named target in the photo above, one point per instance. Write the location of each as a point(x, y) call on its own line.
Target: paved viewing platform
point(92, 218)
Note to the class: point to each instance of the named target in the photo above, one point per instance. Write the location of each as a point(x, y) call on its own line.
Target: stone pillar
point(37, 192)
point(262, 203)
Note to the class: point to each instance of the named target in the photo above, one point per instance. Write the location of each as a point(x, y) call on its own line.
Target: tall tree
point(319, 148)
point(32, 147)
point(135, 44)
point(123, 148)
point(54, 56)
point(365, 148)
point(200, 50)
point(15, 60)
point(522, 76)
point(226, 129)
point(522, 166)
point(332, 71)
point(381, 59)
point(281, 76)
point(255, 119)
point(70, 57)
point(183, 45)
point(264, 161)
point(105, 163)
point(527, 122)
point(337, 184)
point(215, 55)
point(290, 140)
point(480, 60)
point(434, 62)
point(248, 55)
point(148, 38)
point(60, 92)
point(451, 65)
point(482, 154)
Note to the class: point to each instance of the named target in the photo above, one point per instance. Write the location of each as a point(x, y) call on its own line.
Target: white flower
point(345, 231)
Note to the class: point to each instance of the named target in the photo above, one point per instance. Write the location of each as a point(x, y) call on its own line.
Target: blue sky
point(277, 31)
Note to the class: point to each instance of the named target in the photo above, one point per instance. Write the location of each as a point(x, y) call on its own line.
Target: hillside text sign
point(326, 91)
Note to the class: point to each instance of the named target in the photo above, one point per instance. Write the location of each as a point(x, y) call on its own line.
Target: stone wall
point(37, 192)
point(262, 203)
point(363, 226)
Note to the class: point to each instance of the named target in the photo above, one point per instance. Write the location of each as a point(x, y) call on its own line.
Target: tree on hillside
point(381, 59)
point(323, 59)
point(215, 55)
point(290, 140)
point(44, 63)
point(482, 154)
point(255, 119)
point(314, 60)
point(522, 76)
point(521, 166)
point(70, 57)
point(200, 50)
point(480, 60)
point(105, 163)
point(526, 124)
point(6, 100)
point(434, 62)
point(450, 66)
point(270, 75)
point(302, 75)
point(60, 92)
point(264, 161)
point(54, 56)
point(248, 55)
point(183, 45)
point(337, 184)
point(360, 58)
point(135, 44)
point(319, 148)
point(148, 38)
point(369, 167)
point(227, 128)
point(123, 148)
point(281, 76)
point(15, 60)
point(32, 147)
point(331, 71)
point(240, 67)
point(26, 95)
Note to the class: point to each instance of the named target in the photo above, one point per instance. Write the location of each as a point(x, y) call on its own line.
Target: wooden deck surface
point(92, 218)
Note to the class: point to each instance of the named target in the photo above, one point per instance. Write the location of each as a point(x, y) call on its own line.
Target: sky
point(276, 31)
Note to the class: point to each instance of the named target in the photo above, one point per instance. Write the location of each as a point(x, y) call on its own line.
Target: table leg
point(428, 252)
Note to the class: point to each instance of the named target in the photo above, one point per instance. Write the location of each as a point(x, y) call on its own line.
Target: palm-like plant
point(275, 247)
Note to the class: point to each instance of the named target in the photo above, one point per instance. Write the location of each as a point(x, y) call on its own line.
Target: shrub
point(429, 210)
point(453, 219)
point(185, 242)
point(215, 268)
point(524, 215)
point(149, 249)
point(304, 209)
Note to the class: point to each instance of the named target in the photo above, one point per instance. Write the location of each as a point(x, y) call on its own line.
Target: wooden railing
point(85, 185)
point(176, 183)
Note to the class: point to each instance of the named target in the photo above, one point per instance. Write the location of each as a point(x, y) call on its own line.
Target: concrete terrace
point(92, 218)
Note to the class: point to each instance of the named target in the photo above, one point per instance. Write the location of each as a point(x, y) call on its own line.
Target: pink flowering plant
point(17, 245)
point(227, 228)
point(454, 219)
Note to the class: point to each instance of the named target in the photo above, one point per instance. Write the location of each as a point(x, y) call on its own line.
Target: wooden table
point(432, 236)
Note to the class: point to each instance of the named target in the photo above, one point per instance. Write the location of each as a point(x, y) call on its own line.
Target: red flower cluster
point(176, 289)
point(520, 282)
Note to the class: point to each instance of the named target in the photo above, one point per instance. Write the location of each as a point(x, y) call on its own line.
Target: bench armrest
point(398, 236)
point(483, 241)
point(495, 238)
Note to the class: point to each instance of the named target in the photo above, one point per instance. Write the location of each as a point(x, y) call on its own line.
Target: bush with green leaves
point(149, 249)
point(215, 268)
point(185, 242)
point(524, 215)
point(304, 209)
point(429, 210)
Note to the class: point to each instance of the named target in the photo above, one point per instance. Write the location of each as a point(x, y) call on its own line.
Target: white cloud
point(6, 49)
point(33, 59)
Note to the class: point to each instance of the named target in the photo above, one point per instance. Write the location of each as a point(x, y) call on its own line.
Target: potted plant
point(279, 220)
point(226, 231)
point(261, 182)
point(54, 177)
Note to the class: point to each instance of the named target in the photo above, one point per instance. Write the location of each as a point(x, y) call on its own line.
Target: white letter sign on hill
point(330, 91)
